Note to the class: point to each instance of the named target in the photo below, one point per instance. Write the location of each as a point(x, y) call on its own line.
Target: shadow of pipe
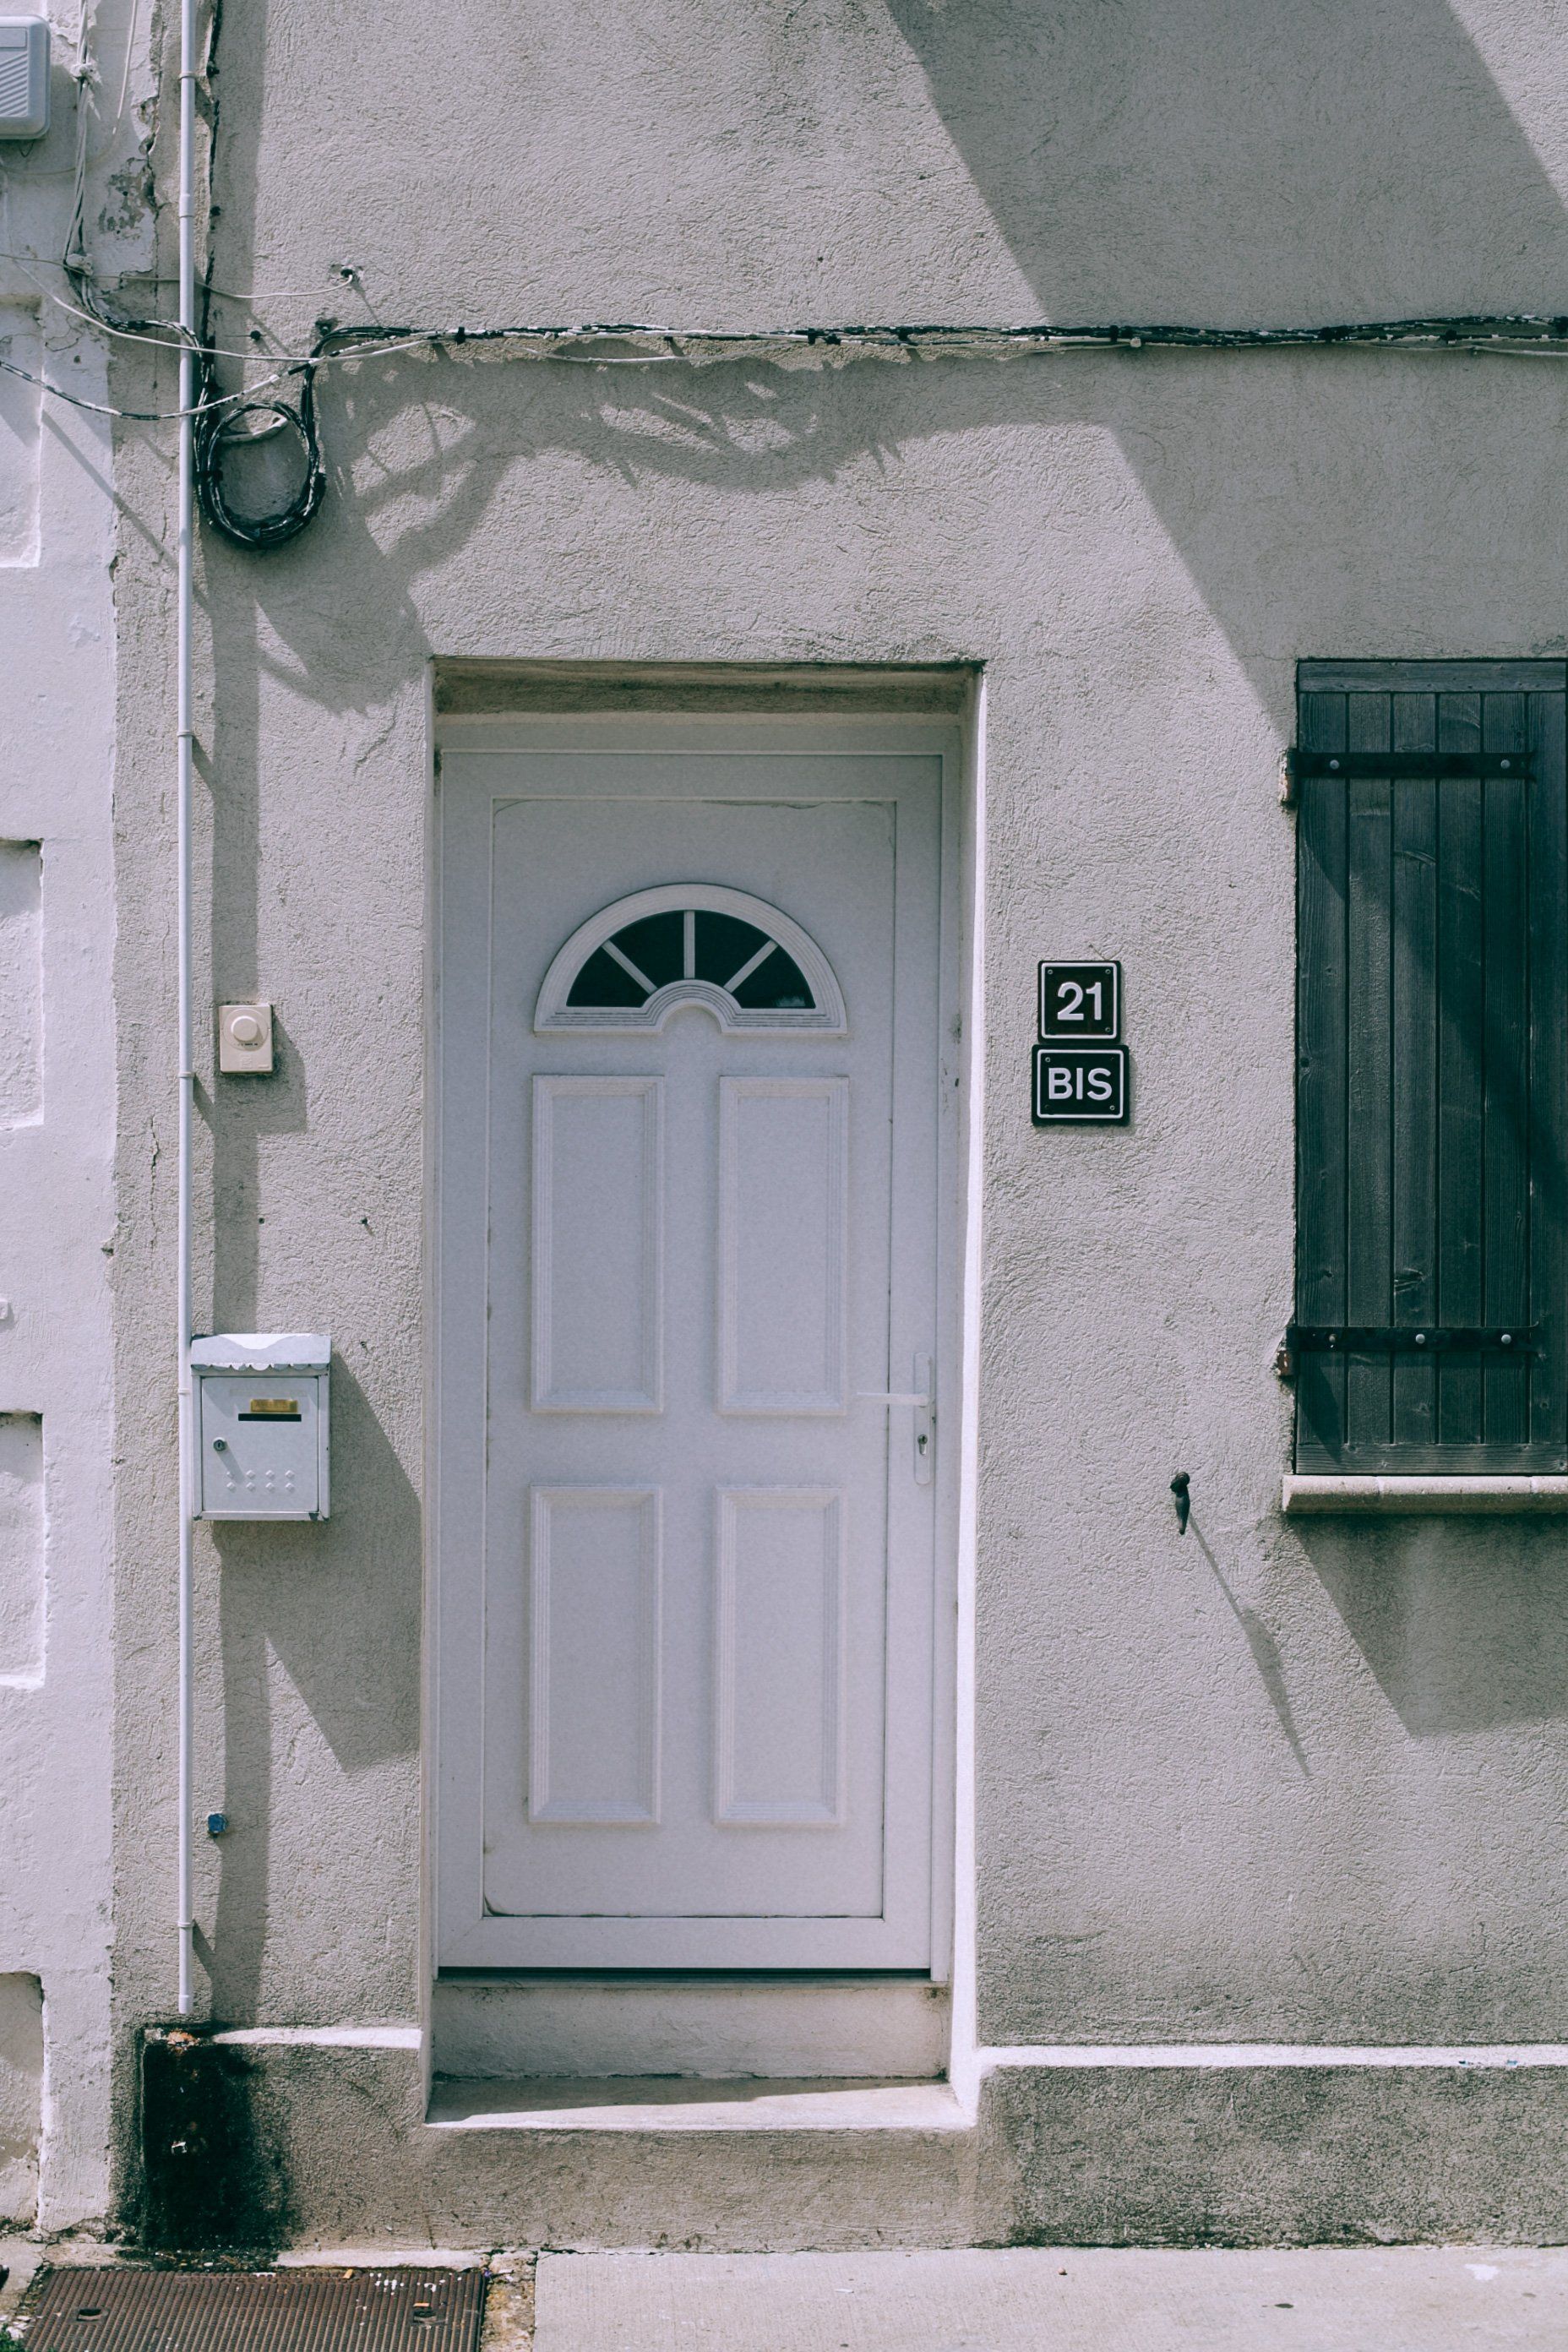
point(1264, 1649)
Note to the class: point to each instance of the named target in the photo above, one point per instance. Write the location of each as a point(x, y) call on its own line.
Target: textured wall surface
point(21, 2096)
point(1259, 1782)
point(56, 1143)
point(1274, 2156)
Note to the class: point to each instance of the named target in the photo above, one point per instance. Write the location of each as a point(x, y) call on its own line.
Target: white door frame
point(455, 1885)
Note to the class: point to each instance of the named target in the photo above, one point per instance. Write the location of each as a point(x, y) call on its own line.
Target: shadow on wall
point(1294, 490)
point(1244, 161)
point(1224, 159)
point(334, 1610)
point(1263, 1648)
point(1465, 1624)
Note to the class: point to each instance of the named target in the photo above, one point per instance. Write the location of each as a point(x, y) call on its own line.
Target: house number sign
point(1080, 1076)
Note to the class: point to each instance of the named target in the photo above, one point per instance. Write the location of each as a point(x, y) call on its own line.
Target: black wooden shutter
point(1432, 1067)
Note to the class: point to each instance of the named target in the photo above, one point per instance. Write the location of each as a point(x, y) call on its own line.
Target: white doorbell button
point(245, 1039)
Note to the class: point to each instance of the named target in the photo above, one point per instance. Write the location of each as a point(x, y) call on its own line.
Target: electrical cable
point(218, 430)
point(225, 422)
point(216, 436)
point(1472, 333)
point(1509, 332)
point(221, 430)
point(1503, 336)
point(105, 408)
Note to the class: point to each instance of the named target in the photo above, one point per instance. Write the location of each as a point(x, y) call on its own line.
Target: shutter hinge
point(1514, 1340)
point(1295, 763)
point(1387, 766)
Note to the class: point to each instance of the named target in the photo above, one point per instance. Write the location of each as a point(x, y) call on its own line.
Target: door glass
point(639, 958)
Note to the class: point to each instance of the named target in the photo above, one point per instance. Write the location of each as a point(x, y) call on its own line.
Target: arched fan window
point(635, 962)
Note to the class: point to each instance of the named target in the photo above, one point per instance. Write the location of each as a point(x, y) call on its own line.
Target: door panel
point(783, 1201)
point(594, 1656)
point(598, 1235)
point(778, 1729)
point(685, 1561)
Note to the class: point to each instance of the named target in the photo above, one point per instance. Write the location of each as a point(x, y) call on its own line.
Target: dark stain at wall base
point(212, 2176)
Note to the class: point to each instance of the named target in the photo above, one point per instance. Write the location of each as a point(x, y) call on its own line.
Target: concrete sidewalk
point(1404, 2299)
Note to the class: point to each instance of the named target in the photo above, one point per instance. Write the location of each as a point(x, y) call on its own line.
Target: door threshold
point(716, 2030)
point(630, 2103)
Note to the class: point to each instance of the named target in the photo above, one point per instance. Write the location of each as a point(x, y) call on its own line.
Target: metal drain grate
point(122, 2310)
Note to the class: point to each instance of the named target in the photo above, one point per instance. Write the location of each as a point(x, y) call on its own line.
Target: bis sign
point(1079, 1067)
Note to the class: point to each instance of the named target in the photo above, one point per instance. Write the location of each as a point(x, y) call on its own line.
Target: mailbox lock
point(220, 1445)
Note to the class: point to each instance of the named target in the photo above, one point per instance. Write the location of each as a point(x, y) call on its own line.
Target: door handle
point(922, 1397)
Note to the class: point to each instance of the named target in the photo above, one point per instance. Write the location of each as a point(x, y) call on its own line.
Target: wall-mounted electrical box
point(261, 1424)
point(24, 76)
point(245, 1040)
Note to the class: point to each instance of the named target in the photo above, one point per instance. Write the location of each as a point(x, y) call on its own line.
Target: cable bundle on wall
point(223, 427)
point(223, 423)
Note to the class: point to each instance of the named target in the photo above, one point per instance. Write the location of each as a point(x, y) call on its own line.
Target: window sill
point(1429, 1497)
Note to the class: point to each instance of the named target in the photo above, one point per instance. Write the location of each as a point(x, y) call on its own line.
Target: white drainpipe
point(186, 1051)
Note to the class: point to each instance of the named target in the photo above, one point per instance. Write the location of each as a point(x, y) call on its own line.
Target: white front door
point(689, 1055)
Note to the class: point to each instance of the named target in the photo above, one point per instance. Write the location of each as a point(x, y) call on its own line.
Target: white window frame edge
point(1304, 1494)
point(825, 1017)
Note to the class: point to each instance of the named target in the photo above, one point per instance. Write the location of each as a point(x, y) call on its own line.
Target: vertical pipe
point(185, 553)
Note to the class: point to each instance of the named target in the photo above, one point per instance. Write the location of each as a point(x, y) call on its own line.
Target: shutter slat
point(1369, 1386)
point(1549, 1075)
point(1505, 1168)
point(1460, 983)
point(1321, 1159)
point(1414, 728)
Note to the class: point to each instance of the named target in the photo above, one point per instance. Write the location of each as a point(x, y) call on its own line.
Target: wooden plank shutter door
point(1432, 1067)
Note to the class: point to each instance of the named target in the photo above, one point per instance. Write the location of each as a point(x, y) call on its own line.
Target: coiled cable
point(221, 431)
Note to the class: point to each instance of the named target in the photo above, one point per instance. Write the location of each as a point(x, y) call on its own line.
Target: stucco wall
point(21, 2096)
point(1256, 1783)
point(57, 1206)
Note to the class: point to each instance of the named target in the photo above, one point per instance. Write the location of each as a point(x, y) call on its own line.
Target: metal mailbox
point(261, 1410)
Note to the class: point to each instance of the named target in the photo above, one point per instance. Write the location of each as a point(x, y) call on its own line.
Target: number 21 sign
point(1080, 1001)
point(1080, 1074)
